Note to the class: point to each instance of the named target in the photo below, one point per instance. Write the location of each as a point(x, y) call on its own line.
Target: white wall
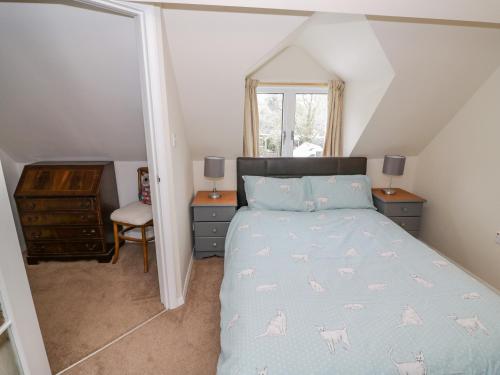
point(293, 64)
point(182, 170)
point(12, 172)
point(458, 174)
point(374, 171)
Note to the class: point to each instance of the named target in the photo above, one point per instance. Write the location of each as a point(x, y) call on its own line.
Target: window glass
point(270, 124)
point(310, 124)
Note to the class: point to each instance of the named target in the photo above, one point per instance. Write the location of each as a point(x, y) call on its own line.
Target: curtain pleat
point(333, 141)
point(251, 119)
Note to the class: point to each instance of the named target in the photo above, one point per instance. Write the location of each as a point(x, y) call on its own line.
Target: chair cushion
point(136, 213)
point(137, 234)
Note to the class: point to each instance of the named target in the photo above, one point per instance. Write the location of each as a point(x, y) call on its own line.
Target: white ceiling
point(212, 52)
point(438, 66)
point(69, 84)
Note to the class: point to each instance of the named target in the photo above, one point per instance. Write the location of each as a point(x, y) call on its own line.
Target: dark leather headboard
point(295, 167)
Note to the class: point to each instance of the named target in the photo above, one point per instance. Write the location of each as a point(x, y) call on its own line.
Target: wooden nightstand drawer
point(408, 223)
point(210, 228)
point(209, 243)
point(215, 213)
point(399, 209)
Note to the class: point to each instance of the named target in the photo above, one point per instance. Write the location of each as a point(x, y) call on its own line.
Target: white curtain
point(333, 141)
point(251, 119)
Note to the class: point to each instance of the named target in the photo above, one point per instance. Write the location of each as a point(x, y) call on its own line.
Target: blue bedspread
point(348, 292)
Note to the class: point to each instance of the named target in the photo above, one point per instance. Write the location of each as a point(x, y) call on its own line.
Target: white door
point(21, 345)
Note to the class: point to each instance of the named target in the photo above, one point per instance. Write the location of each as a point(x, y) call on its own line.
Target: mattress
point(348, 292)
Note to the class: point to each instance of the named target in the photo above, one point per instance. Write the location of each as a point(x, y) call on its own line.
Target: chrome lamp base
point(389, 191)
point(214, 194)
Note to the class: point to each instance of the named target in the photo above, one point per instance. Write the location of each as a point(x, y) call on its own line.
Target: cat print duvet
point(348, 292)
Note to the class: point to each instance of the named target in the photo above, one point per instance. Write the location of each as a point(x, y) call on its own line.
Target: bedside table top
point(401, 196)
point(228, 198)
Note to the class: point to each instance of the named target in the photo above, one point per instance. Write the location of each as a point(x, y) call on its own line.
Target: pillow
point(145, 193)
point(343, 191)
point(284, 194)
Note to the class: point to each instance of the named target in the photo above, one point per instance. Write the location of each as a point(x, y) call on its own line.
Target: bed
point(345, 291)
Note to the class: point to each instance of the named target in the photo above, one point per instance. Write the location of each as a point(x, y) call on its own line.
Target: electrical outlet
point(497, 239)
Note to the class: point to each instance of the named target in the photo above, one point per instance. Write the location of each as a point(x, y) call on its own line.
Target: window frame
point(289, 105)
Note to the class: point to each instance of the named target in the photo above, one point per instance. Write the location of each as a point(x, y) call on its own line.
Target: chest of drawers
point(64, 209)
point(404, 208)
point(211, 218)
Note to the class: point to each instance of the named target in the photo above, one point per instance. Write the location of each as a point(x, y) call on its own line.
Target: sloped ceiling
point(438, 66)
point(69, 84)
point(212, 52)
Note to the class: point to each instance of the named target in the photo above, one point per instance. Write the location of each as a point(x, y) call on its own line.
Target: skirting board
point(182, 299)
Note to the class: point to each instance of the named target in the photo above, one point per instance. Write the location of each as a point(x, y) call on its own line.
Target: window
point(292, 120)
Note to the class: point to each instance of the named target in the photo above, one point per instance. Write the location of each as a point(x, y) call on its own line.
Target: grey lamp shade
point(214, 167)
point(394, 165)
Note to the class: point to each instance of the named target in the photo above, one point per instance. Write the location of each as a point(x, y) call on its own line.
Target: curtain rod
point(309, 84)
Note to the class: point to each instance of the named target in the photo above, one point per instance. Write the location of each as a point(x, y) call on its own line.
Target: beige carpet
point(82, 306)
point(184, 341)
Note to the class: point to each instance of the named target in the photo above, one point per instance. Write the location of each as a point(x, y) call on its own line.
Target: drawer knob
point(405, 209)
point(85, 204)
point(214, 244)
point(35, 235)
point(403, 224)
point(31, 206)
point(214, 230)
point(213, 214)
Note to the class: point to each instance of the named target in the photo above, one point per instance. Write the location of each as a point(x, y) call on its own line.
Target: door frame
point(157, 134)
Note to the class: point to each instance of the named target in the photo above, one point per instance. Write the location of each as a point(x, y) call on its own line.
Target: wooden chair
point(136, 222)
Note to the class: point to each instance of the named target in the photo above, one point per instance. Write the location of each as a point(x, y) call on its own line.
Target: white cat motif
point(243, 227)
point(356, 186)
point(300, 257)
point(388, 254)
point(315, 228)
point(276, 326)
point(351, 253)
point(292, 235)
point(262, 372)
point(266, 288)
point(285, 188)
point(322, 200)
point(440, 263)
point(233, 321)
point(265, 252)
point(409, 317)
point(317, 287)
point(246, 273)
point(378, 286)
point(421, 281)
point(471, 325)
point(471, 296)
point(354, 306)
point(345, 271)
point(410, 368)
point(335, 337)
point(349, 218)
point(309, 205)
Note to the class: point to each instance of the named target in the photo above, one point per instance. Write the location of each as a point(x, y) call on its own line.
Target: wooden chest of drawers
point(64, 208)
point(211, 218)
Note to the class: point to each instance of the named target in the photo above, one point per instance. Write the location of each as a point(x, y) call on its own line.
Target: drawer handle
point(214, 214)
point(32, 219)
point(214, 244)
point(91, 246)
point(31, 205)
point(214, 230)
point(85, 204)
point(405, 209)
point(36, 235)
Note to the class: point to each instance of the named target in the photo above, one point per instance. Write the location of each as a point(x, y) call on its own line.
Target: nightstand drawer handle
point(213, 214)
point(214, 230)
point(404, 209)
point(214, 244)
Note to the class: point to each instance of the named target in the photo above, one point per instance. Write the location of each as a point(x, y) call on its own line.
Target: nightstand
point(211, 218)
point(404, 208)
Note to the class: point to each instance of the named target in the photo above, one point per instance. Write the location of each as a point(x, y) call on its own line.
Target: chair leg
point(117, 243)
point(145, 246)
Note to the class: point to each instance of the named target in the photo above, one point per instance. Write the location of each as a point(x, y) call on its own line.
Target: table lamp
point(394, 165)
point(214, 169)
